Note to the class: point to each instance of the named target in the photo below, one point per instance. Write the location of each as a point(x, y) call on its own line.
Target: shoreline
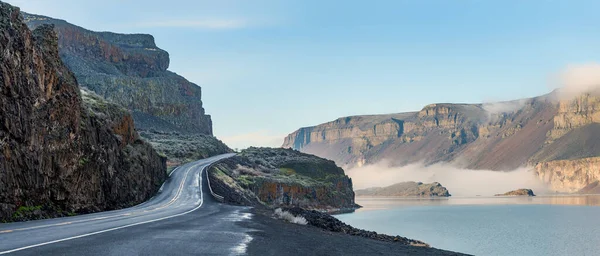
point(272, 236)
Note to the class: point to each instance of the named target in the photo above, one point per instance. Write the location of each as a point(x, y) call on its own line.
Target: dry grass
point(287, 216)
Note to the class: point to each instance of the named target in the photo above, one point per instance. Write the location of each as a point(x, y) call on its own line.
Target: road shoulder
point(276, 237)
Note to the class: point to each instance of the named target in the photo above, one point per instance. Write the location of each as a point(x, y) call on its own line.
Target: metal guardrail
point(215, 195)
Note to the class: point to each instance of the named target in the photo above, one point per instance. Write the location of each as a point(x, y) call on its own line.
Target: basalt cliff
point(131, 71)
point(276, 177)
point(557, 137)
point(62, 151)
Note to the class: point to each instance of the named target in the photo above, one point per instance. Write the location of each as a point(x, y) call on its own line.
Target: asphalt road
point(182, 219)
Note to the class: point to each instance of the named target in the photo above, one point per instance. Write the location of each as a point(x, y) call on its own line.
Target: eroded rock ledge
point(61, 154)
point(275, 177)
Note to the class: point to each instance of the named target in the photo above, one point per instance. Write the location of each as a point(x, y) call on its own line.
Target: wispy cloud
point(258, 138)
point(210, 24)
point(578, 79)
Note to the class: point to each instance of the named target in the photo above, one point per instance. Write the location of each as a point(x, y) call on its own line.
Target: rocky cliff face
point(437, 133)
point(557, 137)
point(569, 175)
point(130, 70)
point(282, 177)
point(60, 154)
point(574, 113)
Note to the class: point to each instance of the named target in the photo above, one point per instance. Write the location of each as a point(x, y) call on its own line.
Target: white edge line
point(173, 171)
point(215, 195)
point(111, 229)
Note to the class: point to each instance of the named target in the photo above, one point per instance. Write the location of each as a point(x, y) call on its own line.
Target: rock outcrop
point(406, 189)
point(558, 137)
point(282, 177)
point(131, 71)
point(330, 223)
point(518, 192)
point(61, 154)
point(437, 133)
point(569, 175)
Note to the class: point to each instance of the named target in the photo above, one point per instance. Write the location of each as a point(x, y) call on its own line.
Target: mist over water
point(459, 182)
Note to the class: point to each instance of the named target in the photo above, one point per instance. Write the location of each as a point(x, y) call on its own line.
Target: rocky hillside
point(131, 71)
point(407, 189)
point(282, 177)
point(558, 137)
point(62, 154)
point(182, 148)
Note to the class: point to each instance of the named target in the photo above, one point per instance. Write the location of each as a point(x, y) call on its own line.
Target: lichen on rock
point(276, 177)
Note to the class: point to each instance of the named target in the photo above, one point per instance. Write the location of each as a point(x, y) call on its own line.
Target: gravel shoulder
point(276, 237)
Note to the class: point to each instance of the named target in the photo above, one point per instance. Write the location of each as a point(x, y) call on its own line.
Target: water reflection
point(380, 203)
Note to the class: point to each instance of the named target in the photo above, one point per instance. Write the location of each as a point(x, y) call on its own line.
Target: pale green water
point(556, 225)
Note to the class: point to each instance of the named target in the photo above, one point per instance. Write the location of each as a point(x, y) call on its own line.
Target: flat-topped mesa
point(130, 54)
point(379, 128)
point(350, 140)
point(129, 70)
point(354, 127)
point(556, 136)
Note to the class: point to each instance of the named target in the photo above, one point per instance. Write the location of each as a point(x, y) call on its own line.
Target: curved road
point(183, 218)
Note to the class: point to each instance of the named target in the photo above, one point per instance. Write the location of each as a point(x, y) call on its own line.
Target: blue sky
point(269, 67)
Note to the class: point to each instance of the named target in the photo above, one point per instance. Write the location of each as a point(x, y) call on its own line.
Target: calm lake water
point(542, 225)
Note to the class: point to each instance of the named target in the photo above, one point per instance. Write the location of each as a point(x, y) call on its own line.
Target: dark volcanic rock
point(131, 71)
point(59, 156)
point(410, 188)
point(518, 192)
point(282, 177)
point(330, 223)
point(275, 237)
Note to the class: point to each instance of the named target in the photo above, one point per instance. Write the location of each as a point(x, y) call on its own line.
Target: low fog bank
point(495, 109)
point(459, 182)
point(578, 79)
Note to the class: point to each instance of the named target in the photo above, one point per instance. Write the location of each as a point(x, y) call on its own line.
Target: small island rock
point(407, 189)
point(518, 192)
